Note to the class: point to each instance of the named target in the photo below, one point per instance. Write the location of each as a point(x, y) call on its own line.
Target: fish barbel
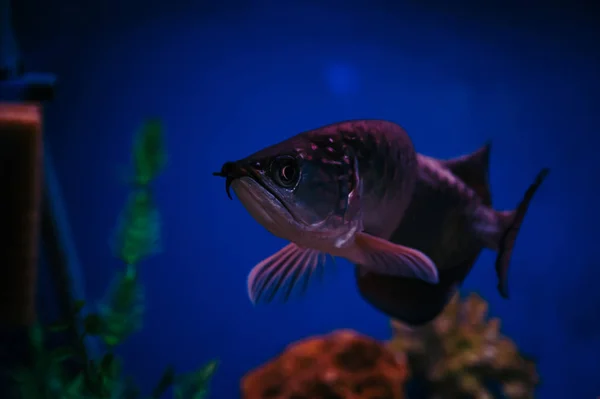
point(358, 190)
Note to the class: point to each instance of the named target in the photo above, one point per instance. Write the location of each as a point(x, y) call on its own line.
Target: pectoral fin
point(283, 271)
point(386, 258)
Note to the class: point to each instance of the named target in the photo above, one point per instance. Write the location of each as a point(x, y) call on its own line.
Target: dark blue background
point(229, 78)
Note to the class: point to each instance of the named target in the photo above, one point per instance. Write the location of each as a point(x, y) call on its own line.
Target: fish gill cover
point(120, 314)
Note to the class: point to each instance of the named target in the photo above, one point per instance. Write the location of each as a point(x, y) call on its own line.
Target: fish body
point(437, 223)
point(359, 190)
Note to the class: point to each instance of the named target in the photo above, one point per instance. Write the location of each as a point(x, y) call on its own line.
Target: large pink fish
point(413, 225)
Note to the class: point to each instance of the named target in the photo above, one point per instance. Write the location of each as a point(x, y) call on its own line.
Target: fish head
point(301, 190)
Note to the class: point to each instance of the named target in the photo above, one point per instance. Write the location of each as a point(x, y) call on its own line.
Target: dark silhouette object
point(16, 84)
point(20, 181)
point(21, 148)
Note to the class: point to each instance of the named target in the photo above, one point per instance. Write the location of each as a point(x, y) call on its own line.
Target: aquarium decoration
point(21, 183)
point(462, 354)
point(340, 365)
point(69, 372)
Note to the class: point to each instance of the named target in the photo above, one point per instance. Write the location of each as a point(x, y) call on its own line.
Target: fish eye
point(285, 171)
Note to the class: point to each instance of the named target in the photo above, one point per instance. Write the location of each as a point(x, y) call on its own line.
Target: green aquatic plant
point(138, 231)
point(68, 372)
point(149, 154)
point(462, 354)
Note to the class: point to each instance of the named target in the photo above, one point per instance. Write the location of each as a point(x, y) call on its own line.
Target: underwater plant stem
point(130, 271)
point(90, 381)
point(60, 252)
point(82, 351)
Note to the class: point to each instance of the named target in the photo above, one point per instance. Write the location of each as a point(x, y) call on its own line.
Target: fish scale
point(482, 218)
point(387, 164)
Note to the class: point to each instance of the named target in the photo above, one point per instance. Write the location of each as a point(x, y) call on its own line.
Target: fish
point(358, 190)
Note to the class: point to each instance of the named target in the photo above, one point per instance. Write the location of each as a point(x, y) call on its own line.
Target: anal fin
point(413, 302)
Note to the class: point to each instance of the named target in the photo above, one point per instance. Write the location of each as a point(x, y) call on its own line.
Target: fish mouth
point(232, 171)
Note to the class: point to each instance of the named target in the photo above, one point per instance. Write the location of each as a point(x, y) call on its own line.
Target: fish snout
point(231, 171)
point(227, 170)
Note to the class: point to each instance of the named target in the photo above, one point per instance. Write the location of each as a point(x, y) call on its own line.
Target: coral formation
point(340, 365)
point(462, 354)
point(120, 314)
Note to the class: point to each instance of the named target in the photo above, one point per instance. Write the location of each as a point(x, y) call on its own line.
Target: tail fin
point(509, 236)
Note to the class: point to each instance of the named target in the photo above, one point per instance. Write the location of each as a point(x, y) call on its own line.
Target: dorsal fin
point(473, 169)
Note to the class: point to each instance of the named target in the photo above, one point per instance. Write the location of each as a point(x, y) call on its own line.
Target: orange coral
point(342, 364)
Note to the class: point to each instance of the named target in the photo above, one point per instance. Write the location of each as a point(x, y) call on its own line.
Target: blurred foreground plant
point(119, 314)
point(461, 354)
